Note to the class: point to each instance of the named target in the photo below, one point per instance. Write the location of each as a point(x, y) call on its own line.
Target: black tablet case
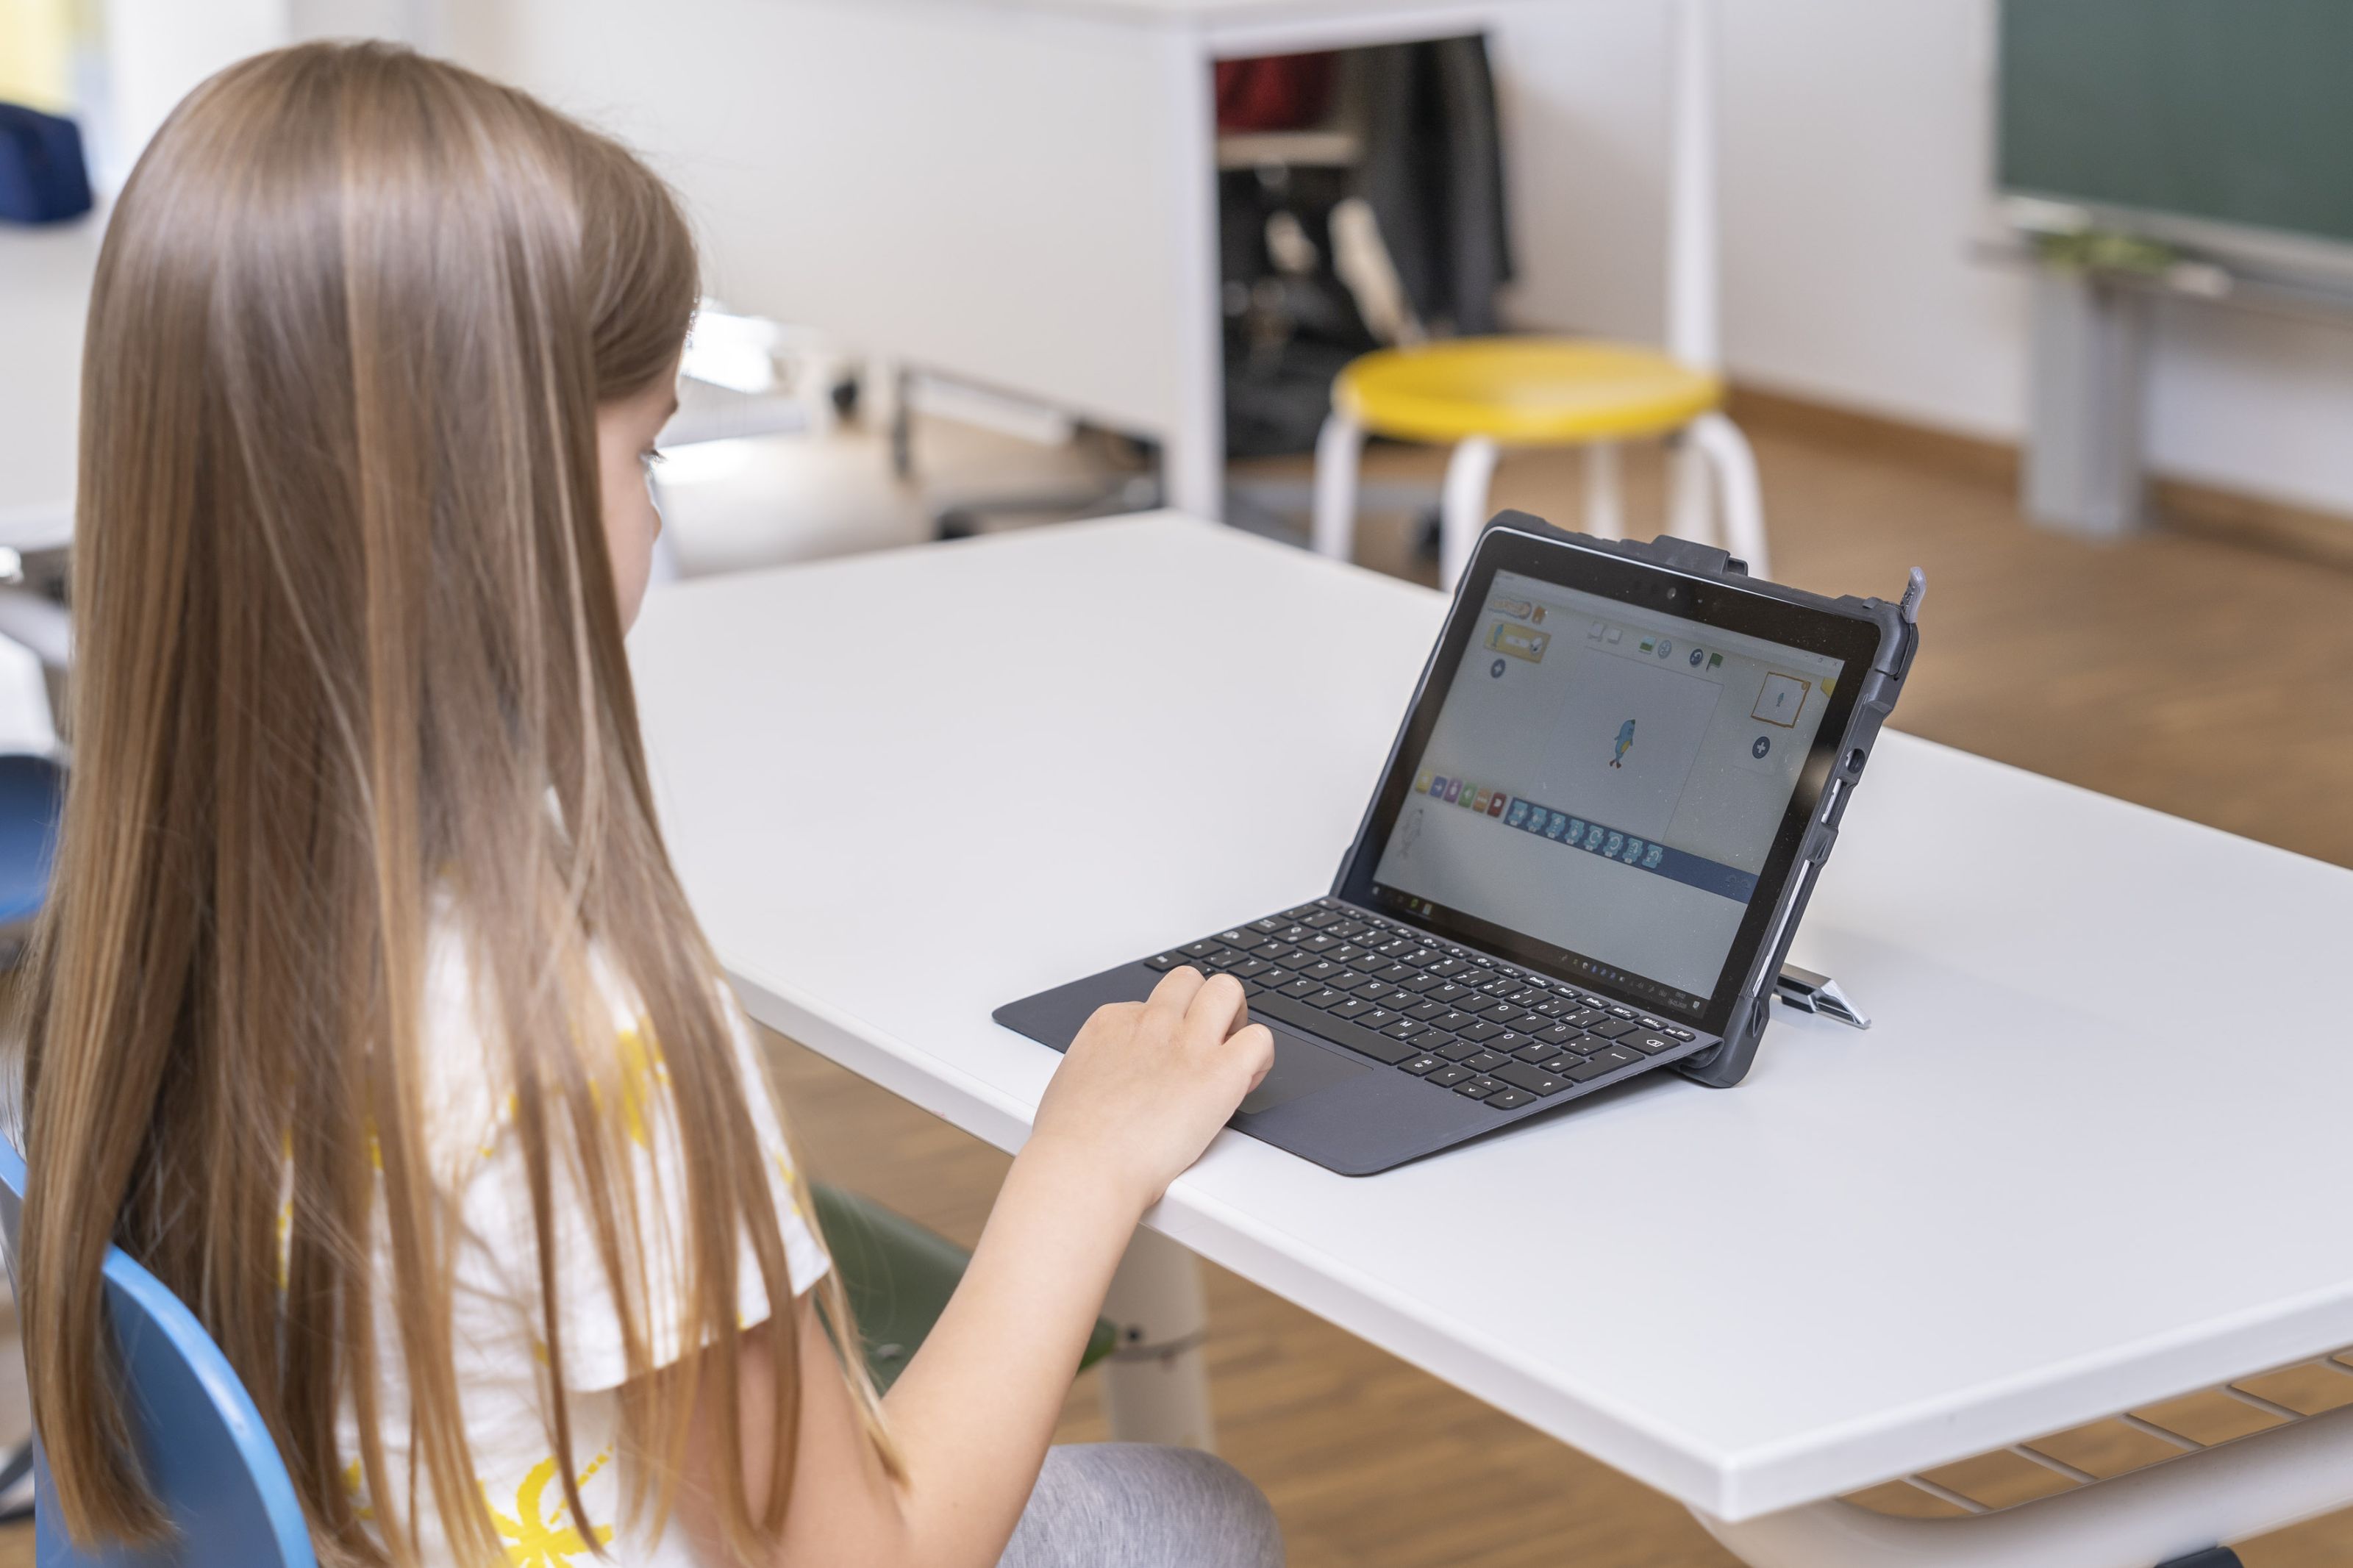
point(1899, 639)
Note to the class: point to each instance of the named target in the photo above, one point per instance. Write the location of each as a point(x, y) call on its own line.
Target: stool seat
point(1524, 391)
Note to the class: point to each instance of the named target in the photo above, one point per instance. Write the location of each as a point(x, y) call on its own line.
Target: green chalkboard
point(2238, 111)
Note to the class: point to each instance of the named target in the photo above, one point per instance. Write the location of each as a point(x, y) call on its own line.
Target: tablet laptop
point(1622, 769)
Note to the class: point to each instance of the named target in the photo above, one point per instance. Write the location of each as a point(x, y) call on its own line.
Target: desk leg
point(1157, 1384)
point(2167, 1513)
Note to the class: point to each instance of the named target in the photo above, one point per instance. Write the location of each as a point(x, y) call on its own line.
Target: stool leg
point(1691, 511)
point(1605, 511)
point(1728, 451)
point(1462, 508)
point(1339, 448)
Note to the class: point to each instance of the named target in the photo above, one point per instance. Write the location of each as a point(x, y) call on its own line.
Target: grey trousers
point(1134, 1505)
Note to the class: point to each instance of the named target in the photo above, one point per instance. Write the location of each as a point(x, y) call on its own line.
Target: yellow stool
point(1482, 393)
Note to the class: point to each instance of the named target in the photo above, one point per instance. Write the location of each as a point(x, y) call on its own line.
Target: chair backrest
point(207, 1455)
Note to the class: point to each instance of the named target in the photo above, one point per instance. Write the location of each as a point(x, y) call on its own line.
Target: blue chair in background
point(207, 1455)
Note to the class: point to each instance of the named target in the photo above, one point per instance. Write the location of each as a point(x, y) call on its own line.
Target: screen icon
point(1453, 788)
point(1781, 700)
point(1612, 635)
point(1479, 801)
point(1666, 647)
point(1556, 826)
point(1650, 643)
point(1421, 785)
point(1716, 661)
point(1520, 642)
point(1576, 829)
point(1653, 856)
point(1437, 786)
point(1593, 835)
point(1624, 745)
point(1764, 744)
point(1495, 804)
point(1596, 629)
point(1633, 851)
point(1611, 848)
point(1697, 655)
point(1519, 813)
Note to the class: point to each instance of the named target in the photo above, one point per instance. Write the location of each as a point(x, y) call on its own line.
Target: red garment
point(1278, 92)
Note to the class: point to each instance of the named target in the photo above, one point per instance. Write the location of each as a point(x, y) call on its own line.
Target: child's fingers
point(1214, 1010)
point(1177, 990)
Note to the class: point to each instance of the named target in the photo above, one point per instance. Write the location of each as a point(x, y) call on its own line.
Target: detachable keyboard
point(1451, 1015)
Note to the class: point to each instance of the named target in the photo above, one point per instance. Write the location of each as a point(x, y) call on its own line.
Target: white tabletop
point(2065, 1174)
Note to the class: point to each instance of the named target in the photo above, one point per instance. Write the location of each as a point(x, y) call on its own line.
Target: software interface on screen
point(1607, 780)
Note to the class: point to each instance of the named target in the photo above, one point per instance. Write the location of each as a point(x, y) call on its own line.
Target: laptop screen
point(1607, 780)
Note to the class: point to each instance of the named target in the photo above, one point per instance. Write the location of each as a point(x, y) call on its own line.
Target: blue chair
point(207, 1455)
point(32, 793)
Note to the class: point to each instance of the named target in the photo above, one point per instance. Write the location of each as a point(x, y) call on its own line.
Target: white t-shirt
point(500, 1357)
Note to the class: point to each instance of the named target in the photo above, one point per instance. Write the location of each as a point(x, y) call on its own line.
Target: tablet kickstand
point(1811, 993)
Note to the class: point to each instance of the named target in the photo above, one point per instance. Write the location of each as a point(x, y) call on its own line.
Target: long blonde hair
point(347, 643)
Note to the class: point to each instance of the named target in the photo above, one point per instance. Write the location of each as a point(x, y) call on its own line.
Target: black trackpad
point(1300, 1068)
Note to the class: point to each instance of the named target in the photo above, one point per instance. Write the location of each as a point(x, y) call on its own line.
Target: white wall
point(1855, 156)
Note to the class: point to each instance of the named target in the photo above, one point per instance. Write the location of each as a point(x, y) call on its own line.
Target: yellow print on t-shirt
point(537, 1539)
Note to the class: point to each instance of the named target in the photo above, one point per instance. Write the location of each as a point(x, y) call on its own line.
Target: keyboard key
point(1325, 998)
point(1474, 977)
point(1353, 1007)
point(1552, 1007)
point(1536, 1080)
point(1653, 1025)
point(1269, 924)
point(1367, 961)
point(1421, 1065)
point(1475, 1003)
point(1450, 1075)
point(1397, 974)
point(1319, 942)
point(1348, 930)
point(1449, 967)
point(1344, 953)
point(1538, 1051)
point(1446, 991)
point(1507, 1042)
point(1509, 1017)
point(1452, 1021)
point(1679, 1034)
point(1339, 1031)
point(1302, 988)
point(1649, 1043)
point(1201, 949)
point(1322, 969)
point(1241, 937)
point(1458, 1050)
point(1405, 1029)
point(1618, 1056)
point(1611, 1029)
point(1376, 1018)
point(1320, 918)
point(1250, 969)
point(1436, 1041)
point(1482, 1030)
point(1500, 988)
point(1558, 1035)
point(1527, 997)
point(1586, 1072)
point(1484, 1085)
point(1423, 1012)
point(1346, 980)
point(1485, 1061)
point(1617, 1010)
point(1510, 1100)
point(1423, 985)
point(1164, 962)
point(1382, 995)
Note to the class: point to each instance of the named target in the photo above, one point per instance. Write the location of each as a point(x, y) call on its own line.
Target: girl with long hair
point(368, 1012)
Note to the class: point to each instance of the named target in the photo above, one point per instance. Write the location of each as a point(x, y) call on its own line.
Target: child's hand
point(1147, 1084)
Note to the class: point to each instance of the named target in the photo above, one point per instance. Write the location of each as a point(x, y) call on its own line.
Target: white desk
point(2058, 1180)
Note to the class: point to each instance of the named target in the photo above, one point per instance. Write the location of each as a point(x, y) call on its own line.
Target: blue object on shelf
point(201, 1441)
point(43, 178)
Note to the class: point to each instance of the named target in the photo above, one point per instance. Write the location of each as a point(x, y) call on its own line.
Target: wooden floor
point(2184, 674)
